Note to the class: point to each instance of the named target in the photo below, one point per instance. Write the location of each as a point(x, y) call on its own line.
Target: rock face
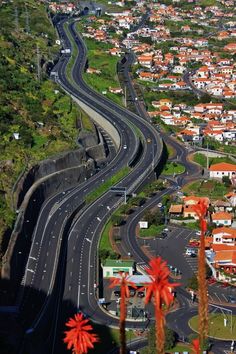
point(42, 181)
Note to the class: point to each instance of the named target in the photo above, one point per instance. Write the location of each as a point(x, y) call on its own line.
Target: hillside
point(36, 119)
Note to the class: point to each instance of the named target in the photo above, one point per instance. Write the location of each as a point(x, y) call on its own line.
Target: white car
point(159, 205)
point(125, 147)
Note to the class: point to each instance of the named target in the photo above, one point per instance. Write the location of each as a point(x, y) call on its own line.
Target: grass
point(211, 188)
point(216, 326)
point(106, 185)
point(108, 338)
point(152, 231)
point(105, 240)
point(173, 168)
point(201, 159)
point(170, 151)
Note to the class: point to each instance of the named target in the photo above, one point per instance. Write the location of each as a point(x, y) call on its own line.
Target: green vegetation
point(106, 185)
point(215, 145)
point(201, 159)
point(170, 341)
point(104, 240)
point(152, 231)
point(216, 326)
point(170, 151)
point(31, 106)
point(109, 338)
point(173, 168)
point(100, 59)
point(211, 188)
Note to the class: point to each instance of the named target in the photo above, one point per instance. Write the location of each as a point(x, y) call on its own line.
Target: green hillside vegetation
point(100, 59)
point(36, 109)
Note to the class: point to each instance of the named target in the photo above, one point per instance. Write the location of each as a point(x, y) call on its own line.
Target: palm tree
point(201, 210)
point(159, 288)
point(124, 283)
point(79, 337)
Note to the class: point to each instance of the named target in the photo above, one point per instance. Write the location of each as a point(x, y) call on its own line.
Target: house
point(222, 218)
point(176, 210)
point(189, 211)
point(115, 90)
point(219, 170)
point(224, 236)
point(231, 197)
point(224, 259)
point(112, 267)
point(221, 205)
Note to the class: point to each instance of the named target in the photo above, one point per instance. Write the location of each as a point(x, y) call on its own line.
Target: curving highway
point(62, 264)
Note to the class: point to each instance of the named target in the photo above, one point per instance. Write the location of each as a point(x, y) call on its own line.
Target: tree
point(124, 283)
point(192, 282)
point(170, 338)
point(79, 337)
point(159, 288)
point(226, 181)
point(116, 220)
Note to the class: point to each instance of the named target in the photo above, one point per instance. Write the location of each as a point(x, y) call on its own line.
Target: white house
point(225, 236)
point(222, 169)
point(112, 267)
point(222, 218)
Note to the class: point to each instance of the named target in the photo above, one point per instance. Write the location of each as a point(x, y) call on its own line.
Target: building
point(112, 267)
point(222, 218)
point(219, 170)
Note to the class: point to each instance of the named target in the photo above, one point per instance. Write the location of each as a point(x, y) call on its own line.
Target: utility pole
point(27, 27)
point(38, 64)
point(16, 19)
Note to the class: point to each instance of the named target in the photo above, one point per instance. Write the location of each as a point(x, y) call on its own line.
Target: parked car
point(211, 280)
point(140, 294)
point(132, 292)
point(232, 299)
point(224, 285)
point(117, 292)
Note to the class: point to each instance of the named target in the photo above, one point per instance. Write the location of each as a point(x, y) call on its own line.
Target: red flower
point(159, 274)
point(201, 210)
point(160, 288)
point(79, 338)
point(196, 345)
point(124, 283)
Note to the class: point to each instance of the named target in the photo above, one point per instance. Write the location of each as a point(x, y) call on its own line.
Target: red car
point(224, 285)
point(211, 281)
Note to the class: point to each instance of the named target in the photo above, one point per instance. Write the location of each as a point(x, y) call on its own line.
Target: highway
point(62, 266)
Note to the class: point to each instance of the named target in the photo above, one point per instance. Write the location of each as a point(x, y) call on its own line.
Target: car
point(232, 299)
point(159, 205)
point(193, 255)
point(132, 292)
point(224, 285)
point(125, 147)
point(117, 292)
point(211, 280)
point(166, 230)
point(140, 294)
point(198, 233)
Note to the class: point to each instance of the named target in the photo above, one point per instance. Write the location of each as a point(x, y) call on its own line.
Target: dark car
point(117, 292)
point(232, 299)
point(132, 292)
point(140, 294)
point(193, 255)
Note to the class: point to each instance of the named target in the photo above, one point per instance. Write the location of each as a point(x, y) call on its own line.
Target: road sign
point(118, 189)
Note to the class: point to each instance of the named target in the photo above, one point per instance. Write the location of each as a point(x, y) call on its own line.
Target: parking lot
point(172, 248)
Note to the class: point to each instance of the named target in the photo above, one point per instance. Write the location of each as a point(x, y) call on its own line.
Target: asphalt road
point(57, 284)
